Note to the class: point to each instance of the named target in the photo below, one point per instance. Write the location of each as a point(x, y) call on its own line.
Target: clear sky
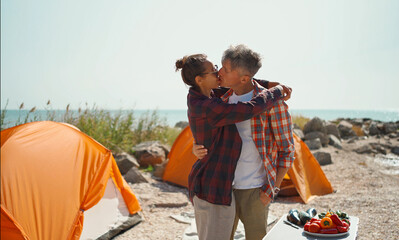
point(335, 54)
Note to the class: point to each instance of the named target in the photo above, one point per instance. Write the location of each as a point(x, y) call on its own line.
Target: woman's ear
point(198, 80)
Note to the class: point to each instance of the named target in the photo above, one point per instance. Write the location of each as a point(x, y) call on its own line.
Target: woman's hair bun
point(180, 63)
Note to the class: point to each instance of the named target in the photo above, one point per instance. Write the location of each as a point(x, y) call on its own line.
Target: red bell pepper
point(336, 220)
point(314, 228)
point(346, 221)
point(306, 226)
point(342, 229)
point(329, 230)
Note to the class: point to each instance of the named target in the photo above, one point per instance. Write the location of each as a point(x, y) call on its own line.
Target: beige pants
point(252, 213)
point(214, 222)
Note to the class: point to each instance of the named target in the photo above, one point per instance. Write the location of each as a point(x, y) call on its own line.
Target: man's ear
point(245, 78)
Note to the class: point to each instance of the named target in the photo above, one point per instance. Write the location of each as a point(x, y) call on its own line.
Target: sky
point(335, 54)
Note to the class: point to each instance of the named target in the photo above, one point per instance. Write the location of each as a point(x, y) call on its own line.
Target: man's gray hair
point(242, 57)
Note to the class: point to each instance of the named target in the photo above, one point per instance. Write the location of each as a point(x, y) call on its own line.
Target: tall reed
point(118, 131)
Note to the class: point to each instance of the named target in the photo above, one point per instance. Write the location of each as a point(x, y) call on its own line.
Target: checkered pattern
point(212, 123)
point(272, 134)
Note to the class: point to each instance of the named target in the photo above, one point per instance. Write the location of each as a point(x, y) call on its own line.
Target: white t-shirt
point(250, 172)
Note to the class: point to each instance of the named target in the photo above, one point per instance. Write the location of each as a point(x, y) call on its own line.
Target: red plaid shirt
point(212, 123)
point(272, 134)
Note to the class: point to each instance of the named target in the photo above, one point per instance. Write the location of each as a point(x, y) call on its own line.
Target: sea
point(172, 116)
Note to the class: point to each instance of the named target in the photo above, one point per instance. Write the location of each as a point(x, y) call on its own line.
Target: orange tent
point(305, 176)
point(51, 173)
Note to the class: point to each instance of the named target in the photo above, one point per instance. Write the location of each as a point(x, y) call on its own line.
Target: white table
point(283, 231)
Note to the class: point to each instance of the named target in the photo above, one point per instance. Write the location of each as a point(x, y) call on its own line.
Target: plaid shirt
point(212, 124)
point(272, 134)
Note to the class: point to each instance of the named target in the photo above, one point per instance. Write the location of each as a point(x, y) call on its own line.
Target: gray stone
point(134, 176)
point(345, 129)
point(313, 135)
point(313, 144)
point(389, 127)
point(365, 149)
point(120, 227)
point(125, 162)
point(334, 141)
point(299, 133)
point(395, 150)
point(181, 124)
point(373, 129)
point(323, 158)
point(150, 153)
point(315, 124)
point(331, 128)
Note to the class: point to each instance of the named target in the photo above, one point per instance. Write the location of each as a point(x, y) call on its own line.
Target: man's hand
point(286, 92)
point(265, 199)
point(199, 151)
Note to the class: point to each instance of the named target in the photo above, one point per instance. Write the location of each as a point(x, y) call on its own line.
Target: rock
point(125, 162)
point(313, 144)
point(315, 124)
point(134, 176)
point(395, 150)
point(331, 128)
point(389, 127)
point(334, 141)
point(373, 129)
point(313, 135)
point(159, 169)
point(358, 130)
point(323, 158)
point(299, 133)
point(181, 124)
point(150, 153)
point(345, 129)
point(365, 149)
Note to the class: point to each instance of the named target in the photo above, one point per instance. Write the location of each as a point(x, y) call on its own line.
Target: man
point(267, 144)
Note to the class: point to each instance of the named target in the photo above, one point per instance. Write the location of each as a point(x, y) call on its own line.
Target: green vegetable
point(304, 217)
point(312, 212)
point(293, 216)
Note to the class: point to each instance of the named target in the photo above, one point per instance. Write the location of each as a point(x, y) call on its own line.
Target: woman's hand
point(286, 92)
point(199, 151)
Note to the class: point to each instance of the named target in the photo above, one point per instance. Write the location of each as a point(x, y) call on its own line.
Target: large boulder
point(150, 153)
point(134, 176)
point(373, 129)
point(316, 134)
point(181, 124)
point(299, 133)
point(389, 127)
point(125, 162)
point(323, 158)
point(313, 144)
point(345, 129)
point(315, 124)
point(334, 141)
point(332, 128)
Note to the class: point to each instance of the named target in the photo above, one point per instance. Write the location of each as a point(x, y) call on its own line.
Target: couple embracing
point(243, 135)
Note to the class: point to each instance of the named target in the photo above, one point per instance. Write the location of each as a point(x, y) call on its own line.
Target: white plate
point(325, 234)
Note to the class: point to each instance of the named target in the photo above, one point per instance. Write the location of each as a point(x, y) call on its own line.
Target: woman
point(212, 124)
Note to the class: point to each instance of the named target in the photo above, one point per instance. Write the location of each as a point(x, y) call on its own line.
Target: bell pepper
point(314, 228)
point(335, 219)
point(306, 226)
point(326, 222)
point(342, 229)
point(329, 230)
point(346, 221)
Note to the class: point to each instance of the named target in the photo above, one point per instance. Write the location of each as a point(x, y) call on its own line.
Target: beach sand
point(362, 188)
